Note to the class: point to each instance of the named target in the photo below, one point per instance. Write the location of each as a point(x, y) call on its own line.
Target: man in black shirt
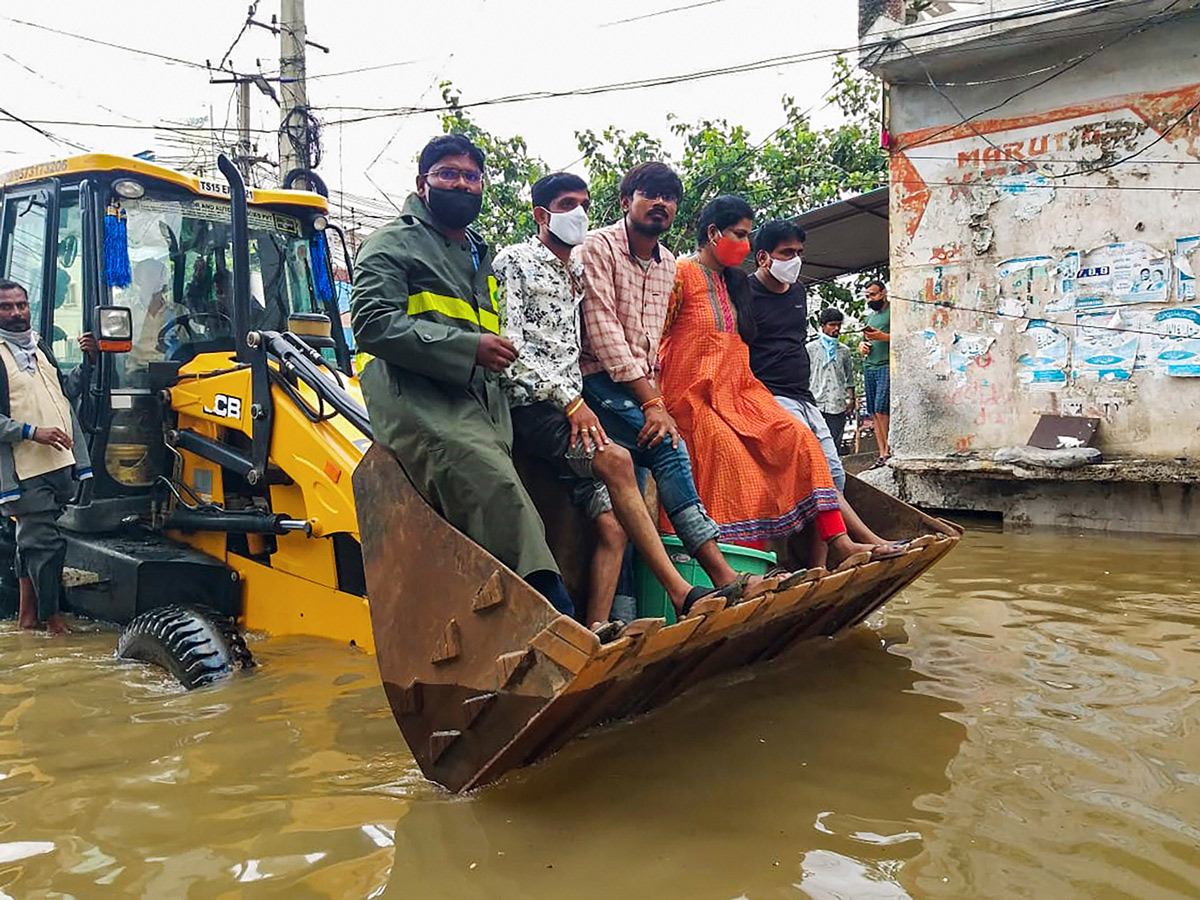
point(778, 352)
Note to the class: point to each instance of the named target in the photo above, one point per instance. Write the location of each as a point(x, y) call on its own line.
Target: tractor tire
point(197, 645)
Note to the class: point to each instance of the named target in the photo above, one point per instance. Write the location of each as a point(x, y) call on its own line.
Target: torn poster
point(1045, 368)
point(1176, 349)
point(1103, 347)
point(1187, 259)
point(1030, 191)
point(933, 351)
point(967, 348)
point(1118, 274)
point(1025, 283)
point(1064, 283)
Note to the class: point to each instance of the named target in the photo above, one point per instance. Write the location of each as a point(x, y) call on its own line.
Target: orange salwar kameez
point(760, 473)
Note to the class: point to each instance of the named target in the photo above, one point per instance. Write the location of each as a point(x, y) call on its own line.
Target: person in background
point(43, 454)
point(876, 351)
point(628, 277)
point(424, 307)
point(542, 285)
point(832, 378)
point(778, 355)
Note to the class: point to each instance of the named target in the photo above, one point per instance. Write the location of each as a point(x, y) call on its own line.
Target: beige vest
point(36, 398)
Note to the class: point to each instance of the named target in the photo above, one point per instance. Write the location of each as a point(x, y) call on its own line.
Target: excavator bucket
point(483, 675)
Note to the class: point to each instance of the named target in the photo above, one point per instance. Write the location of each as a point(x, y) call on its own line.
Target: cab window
point(67, 311)
point(24, 246)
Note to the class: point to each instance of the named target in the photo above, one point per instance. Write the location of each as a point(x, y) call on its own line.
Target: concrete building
point(1044, 243)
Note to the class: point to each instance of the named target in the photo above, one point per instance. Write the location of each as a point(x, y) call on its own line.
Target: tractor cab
point(94, 232)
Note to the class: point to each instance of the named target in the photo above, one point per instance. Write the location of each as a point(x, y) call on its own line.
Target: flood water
point(1022, 722)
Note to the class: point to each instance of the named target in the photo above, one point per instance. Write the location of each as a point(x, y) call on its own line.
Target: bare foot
point(842, 548)
point(56, 624)
point(27, 624)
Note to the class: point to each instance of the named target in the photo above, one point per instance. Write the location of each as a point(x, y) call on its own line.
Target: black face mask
point(876, 305)
point(452, 208)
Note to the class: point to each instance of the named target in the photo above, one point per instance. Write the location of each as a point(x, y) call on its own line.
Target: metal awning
point(847, 236)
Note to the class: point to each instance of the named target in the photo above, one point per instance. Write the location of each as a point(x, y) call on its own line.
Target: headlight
point(115, 327)
point(128, 188)
point(320, 223)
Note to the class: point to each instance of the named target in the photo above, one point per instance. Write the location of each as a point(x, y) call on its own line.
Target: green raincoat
point(419, 304)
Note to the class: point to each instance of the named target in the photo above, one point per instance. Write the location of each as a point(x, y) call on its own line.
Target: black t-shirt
point(778, 354)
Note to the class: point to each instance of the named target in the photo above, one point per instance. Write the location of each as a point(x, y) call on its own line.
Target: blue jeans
point(810, 414)
point(622, 418)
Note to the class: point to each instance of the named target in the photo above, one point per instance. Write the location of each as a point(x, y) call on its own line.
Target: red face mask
point(730, 252)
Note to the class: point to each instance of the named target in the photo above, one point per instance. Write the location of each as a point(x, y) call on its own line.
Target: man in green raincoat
point(424, 306)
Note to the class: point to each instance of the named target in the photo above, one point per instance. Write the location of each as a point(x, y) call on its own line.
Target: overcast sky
point(487, 48)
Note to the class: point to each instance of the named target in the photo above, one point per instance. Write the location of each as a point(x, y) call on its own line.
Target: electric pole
point(242, 158)
point(293, 132)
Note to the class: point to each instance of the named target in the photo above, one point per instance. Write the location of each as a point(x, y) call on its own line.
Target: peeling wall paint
point(1032, 274)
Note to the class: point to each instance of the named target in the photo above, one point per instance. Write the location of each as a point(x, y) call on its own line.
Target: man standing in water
point(424, 307)
point(876, 350)
point(42, 455)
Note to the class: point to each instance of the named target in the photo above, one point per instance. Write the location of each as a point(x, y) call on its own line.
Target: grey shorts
point(542, 431)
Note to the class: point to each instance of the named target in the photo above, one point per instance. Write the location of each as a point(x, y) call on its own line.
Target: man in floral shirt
point(543, 285)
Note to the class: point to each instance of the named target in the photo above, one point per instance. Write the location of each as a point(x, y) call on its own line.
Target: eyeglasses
point(652, 194)
point(449, 175)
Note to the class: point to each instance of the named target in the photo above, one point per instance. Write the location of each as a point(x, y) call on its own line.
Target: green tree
point(795, 168)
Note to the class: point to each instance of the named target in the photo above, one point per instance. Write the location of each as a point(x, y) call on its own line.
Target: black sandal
point(608, 632)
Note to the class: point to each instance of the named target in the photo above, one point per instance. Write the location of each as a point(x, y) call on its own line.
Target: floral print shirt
point(540, 299)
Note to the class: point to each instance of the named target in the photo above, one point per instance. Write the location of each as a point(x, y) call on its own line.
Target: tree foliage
point(793, 169)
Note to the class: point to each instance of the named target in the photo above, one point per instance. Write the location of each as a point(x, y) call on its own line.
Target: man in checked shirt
point(543, 289)
point(628, 276)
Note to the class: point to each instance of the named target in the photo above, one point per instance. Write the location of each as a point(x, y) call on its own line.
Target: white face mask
point(787, 270)
point(570, 227)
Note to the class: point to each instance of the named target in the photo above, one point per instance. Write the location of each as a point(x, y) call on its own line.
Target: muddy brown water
point(1023, 722)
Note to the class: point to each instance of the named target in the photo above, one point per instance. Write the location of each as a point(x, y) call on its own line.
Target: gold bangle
point(574, 407)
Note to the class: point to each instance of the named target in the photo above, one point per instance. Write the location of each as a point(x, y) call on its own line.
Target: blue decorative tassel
point(318, 251)
point(116, 248)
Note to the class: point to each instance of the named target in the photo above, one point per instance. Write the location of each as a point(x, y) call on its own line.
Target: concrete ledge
point(1141, 471)
point(1149, 496)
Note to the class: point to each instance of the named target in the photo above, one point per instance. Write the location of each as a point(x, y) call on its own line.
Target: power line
point(1057, 323)
point(374, 113)
point(245, 27)
point(391, 65)
point(959, 185)
point(165, 126)
point(92, 40)
point(1191, 109)
point(1145, 23)
point(42, 131)
point(662, 12)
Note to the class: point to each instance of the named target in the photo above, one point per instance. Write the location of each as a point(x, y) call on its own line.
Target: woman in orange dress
point(760, 472)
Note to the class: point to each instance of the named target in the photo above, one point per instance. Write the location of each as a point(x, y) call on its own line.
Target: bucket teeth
point(473, 706)
point(510, 667)
point(411, 699)
point(439, 743)
point(490, 593)
point(449, 647)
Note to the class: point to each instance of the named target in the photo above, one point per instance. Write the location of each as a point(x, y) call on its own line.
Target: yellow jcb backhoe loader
point(236, 485)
